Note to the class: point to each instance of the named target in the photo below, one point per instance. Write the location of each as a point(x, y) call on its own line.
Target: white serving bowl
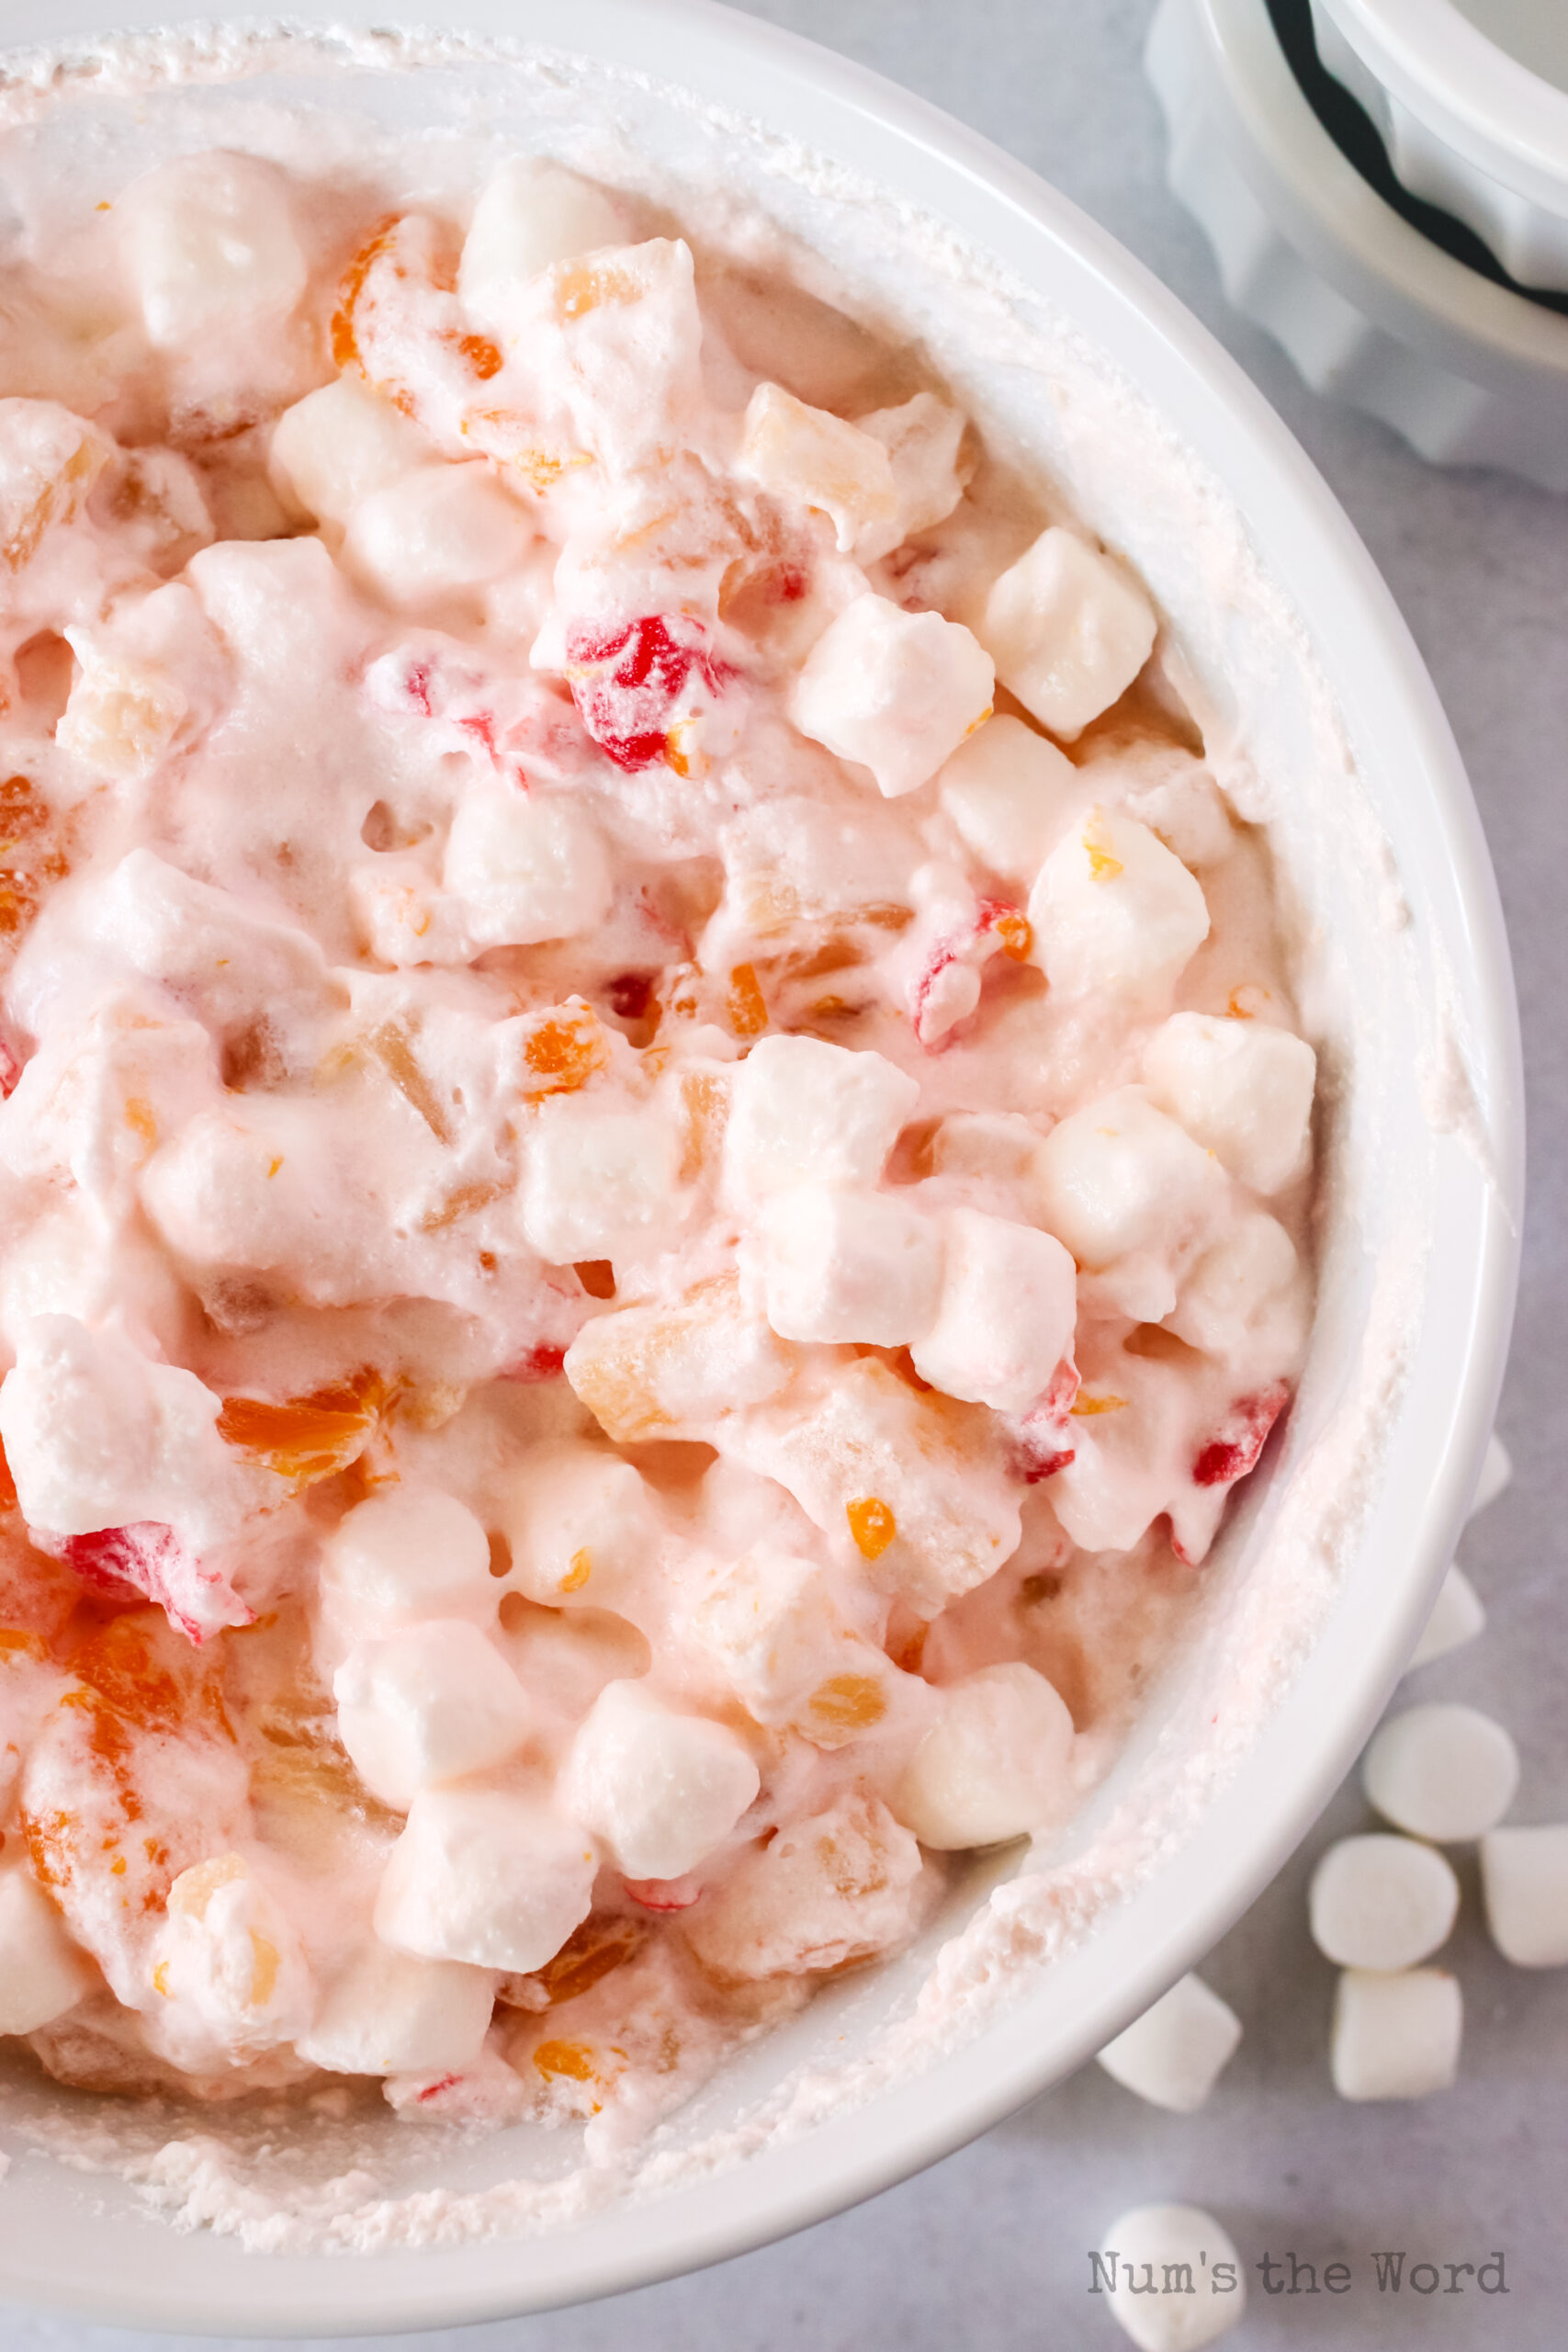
point(1297, 657)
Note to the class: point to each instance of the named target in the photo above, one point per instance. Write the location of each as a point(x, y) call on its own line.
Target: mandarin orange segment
point(846, 1703)
point(590, 1953)
point(748, 1006)
point(562, 1051)
point(872, 1524)
point(303, 1439)
point(572, 2060)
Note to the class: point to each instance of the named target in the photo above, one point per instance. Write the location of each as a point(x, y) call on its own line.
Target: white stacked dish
point(1370, 299)
point(1472, 102)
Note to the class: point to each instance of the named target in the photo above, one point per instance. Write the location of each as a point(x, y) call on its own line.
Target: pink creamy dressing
point(654, 1161)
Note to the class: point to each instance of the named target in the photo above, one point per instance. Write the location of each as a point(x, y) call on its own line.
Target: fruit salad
point(656, 1152)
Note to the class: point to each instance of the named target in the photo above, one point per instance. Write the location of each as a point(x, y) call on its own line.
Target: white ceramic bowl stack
point(1071, 356)
point(1468, 123)
point(1467, 368)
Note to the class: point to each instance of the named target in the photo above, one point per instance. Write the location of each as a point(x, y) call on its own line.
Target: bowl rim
point(1305, 542)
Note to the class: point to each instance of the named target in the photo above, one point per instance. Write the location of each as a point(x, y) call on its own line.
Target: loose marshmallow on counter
point(1456, 1618)
point(582, 1525)
point(1524, 1879)
point(895, 692)
point(1441, 1771)
point(804, 1111)
point(428, 1704)
point(808, 458)
point(846, 1265)
point(661, 1790)
point(211, 249)
point(600, 1179)
point(399, 1558)
point(1005, 1317)
point(388, 2013)
point(1009, 793)
point(337, 445)
point(1069, 630)
point(482, 1876)
point(42, 1973)
point(530, 213)
point(1395, 2036)
point(1112, 911)
point(1119, 1178)
point(993, 1765)
point(526, 866)
point(1240, 1087)
point(1173, 2056)
point(1177, 2281)
point(1381, 1902)
point(435, 535)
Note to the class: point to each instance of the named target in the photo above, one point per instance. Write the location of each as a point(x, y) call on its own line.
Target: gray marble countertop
point(987, 2250)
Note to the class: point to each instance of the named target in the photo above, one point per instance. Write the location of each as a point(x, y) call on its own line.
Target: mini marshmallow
point(923, 438)
point(1380, 1901)
point(674, 1370)
point(893, 692)
point(229, 1975)
point(437, 534)
point(1009, 793)
point(1177, 2280)
point(211, 249)
point(1457, 1617)
point(388, 2013)
point(526, 866)
point(337, 445)
point(1111, 910)
point(1243, 1292)
point(399, 1558)
point(993, 1765)
point(530, 213)
point(600, 1179)
point(1441, 1771)
point(1173, 2054)
point(1004, 1320)
point(1119, 1177)
point(1395, 2036)
point(1496, 1470)
point(97, 1435)
point(774, 1630)
point(1524, 1879)
point(841, 1265)
point(481, 1876)
point(1069, 631)
point(42, 1973)
point(1241, 1089)
point(803, 1112)
point(808, 458)
point(582, 1525)
point(835, 1887)
point(425, 1705)
point(661, 1790)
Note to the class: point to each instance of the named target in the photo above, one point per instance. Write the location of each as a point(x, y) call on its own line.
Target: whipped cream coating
point(798, 1256)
